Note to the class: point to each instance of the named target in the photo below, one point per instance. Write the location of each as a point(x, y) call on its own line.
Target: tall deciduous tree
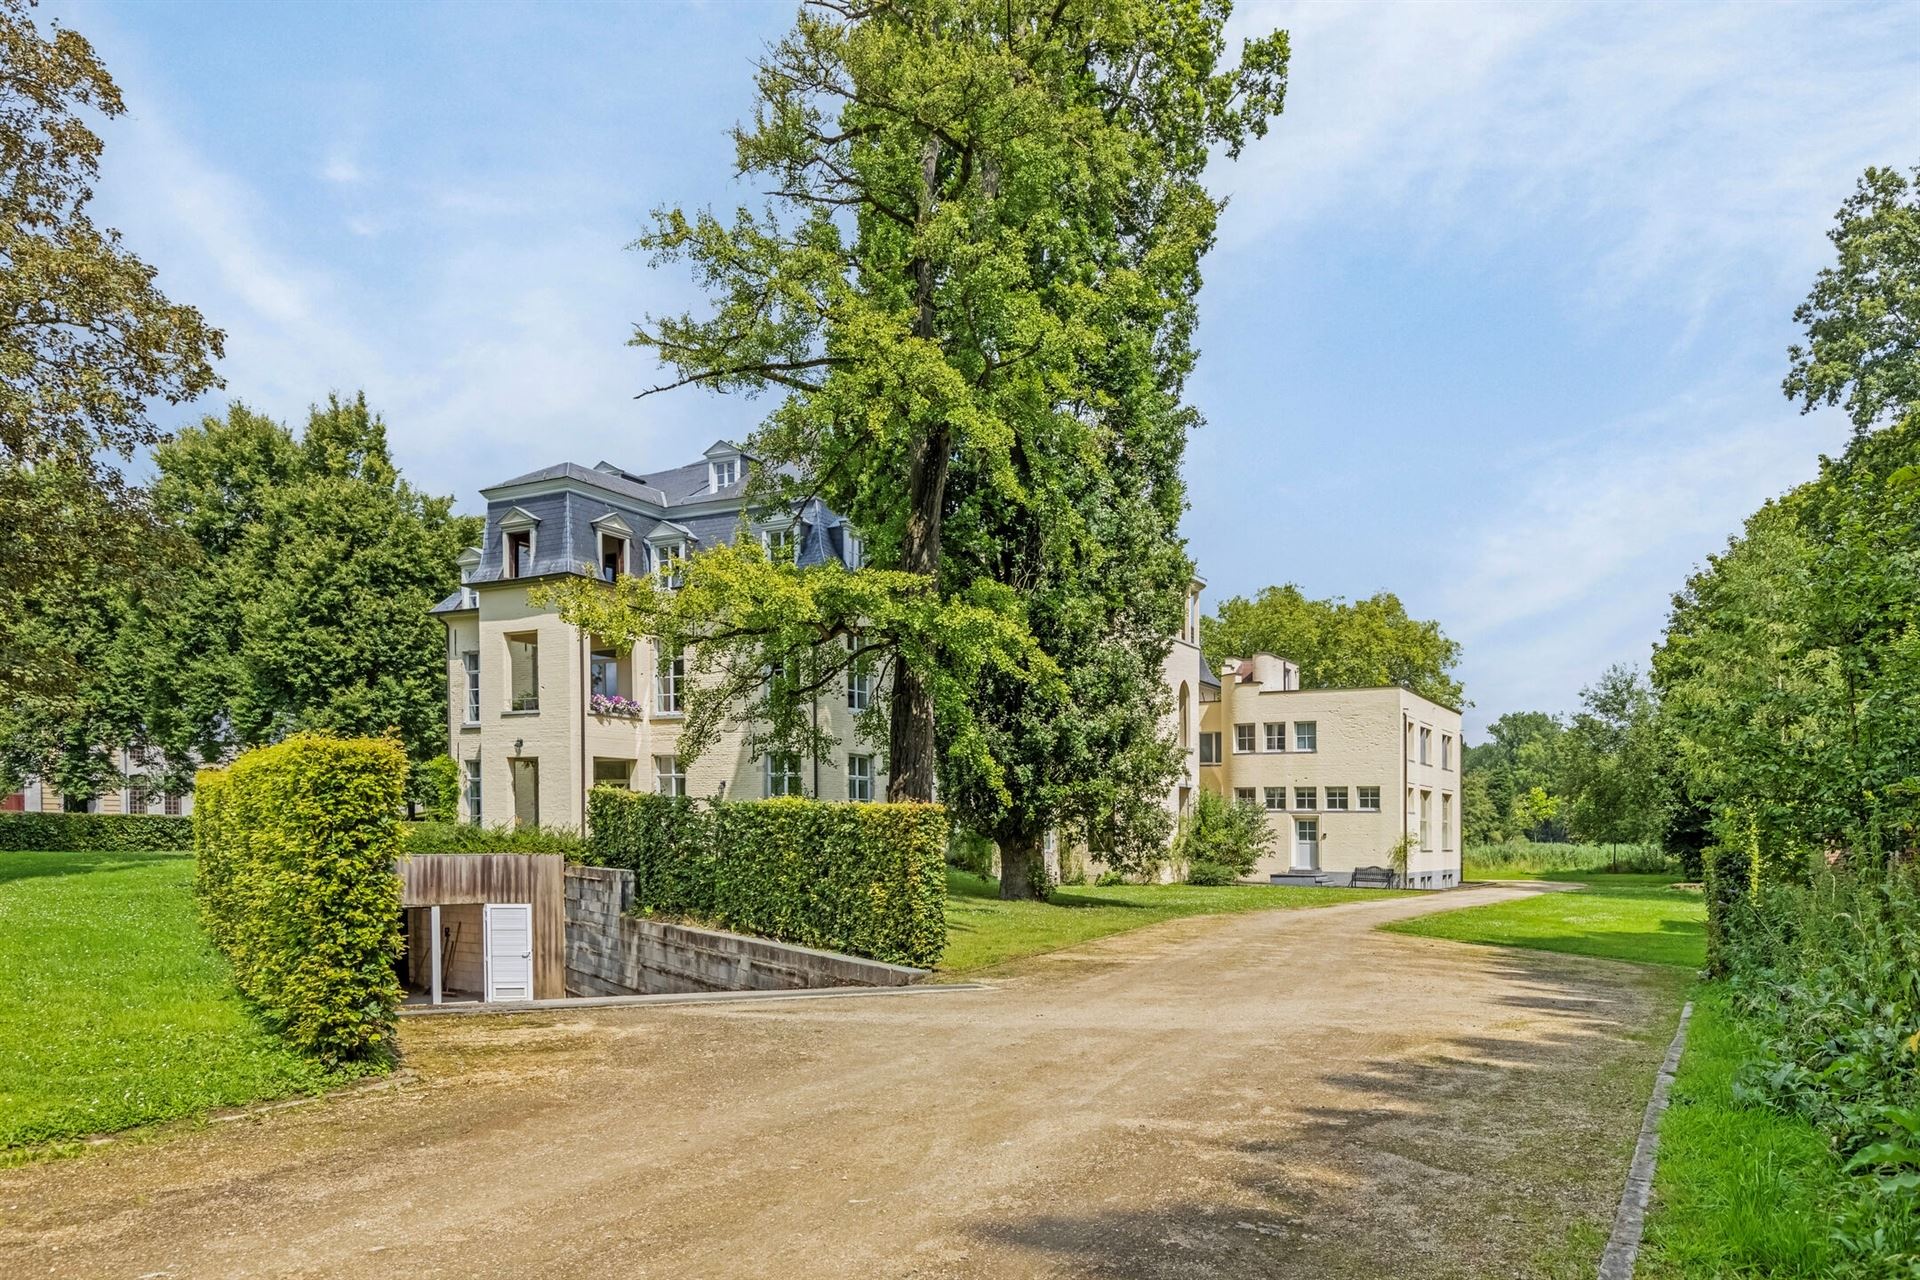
point(309, 607)
point(1337, 643)
point(975, 287)
point(87, 341)
point(1863, 314)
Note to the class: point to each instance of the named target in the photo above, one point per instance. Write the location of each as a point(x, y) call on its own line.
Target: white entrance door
point(1306, 844)
point(509, 951)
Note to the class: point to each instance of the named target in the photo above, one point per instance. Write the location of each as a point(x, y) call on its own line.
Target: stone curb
point(1623, 1246)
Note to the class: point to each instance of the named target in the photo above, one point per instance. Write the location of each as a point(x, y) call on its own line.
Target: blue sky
point(1497, 320)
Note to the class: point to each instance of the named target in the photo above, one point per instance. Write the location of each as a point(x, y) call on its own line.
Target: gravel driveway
point(1284, 1093)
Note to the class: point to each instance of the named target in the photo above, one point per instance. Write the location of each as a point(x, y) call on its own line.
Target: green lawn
point(1738, 1191)
point(1617, 917)
point(115, 1011)
point(983, 931)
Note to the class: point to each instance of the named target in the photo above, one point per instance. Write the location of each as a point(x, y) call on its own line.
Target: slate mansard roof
point(565, 505)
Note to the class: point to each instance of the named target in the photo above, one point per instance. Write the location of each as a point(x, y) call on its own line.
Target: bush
point(866, 879)
point(297, 887)
point(1828, 975)
point(1221, 839)
point(464, 837)
point(435, 786)
point(93, 833)
point(971, 851)
point(1530, 857)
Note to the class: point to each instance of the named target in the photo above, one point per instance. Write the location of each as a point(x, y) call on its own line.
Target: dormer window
point(856, 550)
point(782, 543)
point(517, 529)
point(724, 473)
point(670, 555)
point(613, 557)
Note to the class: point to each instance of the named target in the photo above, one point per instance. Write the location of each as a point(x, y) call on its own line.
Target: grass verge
point(983, 931)
point(1738, 1191)
point(1642, 918)
point(116, 1012)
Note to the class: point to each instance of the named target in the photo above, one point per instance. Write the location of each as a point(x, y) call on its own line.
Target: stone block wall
point(610, 952)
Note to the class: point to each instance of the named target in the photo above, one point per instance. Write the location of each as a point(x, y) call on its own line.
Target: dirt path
point(1282, 1093)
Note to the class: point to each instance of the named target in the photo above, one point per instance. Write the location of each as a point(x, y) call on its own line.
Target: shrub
point(93, 833)
point(1530, 857)
point(435, 785)
point(971, 851)
point(1221, 839)
point(464, 837)
point(297, 887)
point(1828, 975)
point(866, 879)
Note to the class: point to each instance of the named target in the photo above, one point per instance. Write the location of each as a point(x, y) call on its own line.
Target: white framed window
point(1426, 745)
point(855, 548)
point(603, 673)
point(517, 552)
point(1243, 739)
point(1306, 735)
point(782, 772)
point(668, 777)
point(1306, 797)
point(1336, 798)
point(1367, 799)
point(668, 559)
point(1210, 748)
point(859, 777)
point(1276, 735)
point(668, 676)
point(613, 773)
point(1276, 798)
point(1426, 820)
point(1446, 820)
point(859, 682)
point(1446, 751)
point(471, 662)
point(782, 543)
point(1245, 795)
point(170, 804)
point(473, 791)
point(523, 669)
point(726, 473)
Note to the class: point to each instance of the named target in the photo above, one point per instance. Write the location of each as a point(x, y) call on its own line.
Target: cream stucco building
point(539, 712)
point(1343, 774)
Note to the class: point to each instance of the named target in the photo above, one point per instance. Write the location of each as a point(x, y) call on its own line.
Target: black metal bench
point(1371, 878)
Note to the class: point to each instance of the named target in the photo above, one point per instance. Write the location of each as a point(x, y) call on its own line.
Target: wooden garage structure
point(489, 925)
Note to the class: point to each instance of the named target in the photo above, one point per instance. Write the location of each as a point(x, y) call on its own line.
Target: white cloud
point(340, 168)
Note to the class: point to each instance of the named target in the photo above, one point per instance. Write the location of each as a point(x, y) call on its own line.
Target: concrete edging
point(682, 997)
point(1630, 1220)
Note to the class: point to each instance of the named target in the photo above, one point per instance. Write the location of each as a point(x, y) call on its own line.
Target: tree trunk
point(911, 750)
point(1022, 868)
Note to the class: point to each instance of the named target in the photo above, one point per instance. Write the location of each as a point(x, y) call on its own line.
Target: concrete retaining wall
point(612, 953)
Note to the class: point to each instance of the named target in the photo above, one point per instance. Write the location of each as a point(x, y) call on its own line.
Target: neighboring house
point(539, 713)
point(134, 795)
point(1343, 774)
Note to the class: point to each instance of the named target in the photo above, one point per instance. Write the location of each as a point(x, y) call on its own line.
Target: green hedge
point(93, 833)
point(865, 879)
point(296, 846)
point(464, 837)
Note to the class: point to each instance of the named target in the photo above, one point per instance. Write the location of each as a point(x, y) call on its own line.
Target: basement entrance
point(483, 927)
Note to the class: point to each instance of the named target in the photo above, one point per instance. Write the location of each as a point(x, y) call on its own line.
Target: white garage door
point(509, 951)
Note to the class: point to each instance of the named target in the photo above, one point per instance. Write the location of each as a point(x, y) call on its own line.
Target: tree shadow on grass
point(30, 866)
point(1477, 1155)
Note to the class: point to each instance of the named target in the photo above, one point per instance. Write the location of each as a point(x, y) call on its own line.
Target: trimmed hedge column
point(866, 879)
point(297, 844)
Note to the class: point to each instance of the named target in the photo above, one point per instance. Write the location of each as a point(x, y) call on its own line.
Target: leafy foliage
point(94, 833)
point(296, 845)
point(309, 608)
point(1221, 839)
point(975, 285)
point(1338, 644)
point(465, 837)
point(865, 879)
point(1863, 316)
point(1828, 974)
point(435, 785)
point(89, 343)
